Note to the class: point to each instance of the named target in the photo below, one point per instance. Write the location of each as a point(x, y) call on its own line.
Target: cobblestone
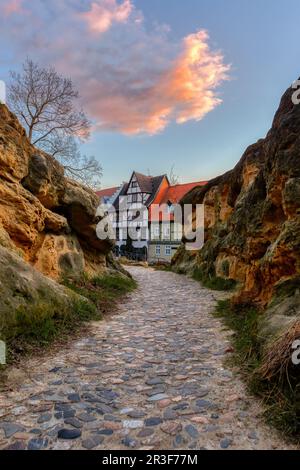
point(153, 376)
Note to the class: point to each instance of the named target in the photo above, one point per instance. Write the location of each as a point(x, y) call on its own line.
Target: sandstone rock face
point(14, 147)
point(44, 217)
point(252, 214)
point(59, 253)
point(80, 207)
point(22, 286)
point(45, 179)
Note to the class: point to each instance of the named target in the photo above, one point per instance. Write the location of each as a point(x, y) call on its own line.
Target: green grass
point(37, 325)
point(103, 291)
point(115, 284)
point(281, 397)
point(243, 321)
point(207, 280)
point(213, 282)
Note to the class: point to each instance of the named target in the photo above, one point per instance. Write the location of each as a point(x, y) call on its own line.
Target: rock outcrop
point(46, 218)
point(252, 215)
point(25, 292)
point(47, 230)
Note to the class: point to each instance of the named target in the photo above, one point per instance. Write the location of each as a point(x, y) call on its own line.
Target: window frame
point(166, 232)
point(169, 249)
point(155, 231)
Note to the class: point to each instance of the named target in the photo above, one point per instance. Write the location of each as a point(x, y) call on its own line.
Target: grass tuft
point(103, 291)
point(38, 325)
point(243, 321)
point(268, 374)
point(213, 282)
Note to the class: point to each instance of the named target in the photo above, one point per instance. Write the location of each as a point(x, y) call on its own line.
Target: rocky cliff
point(47, 229)
point(252, 215)
point(46, 218)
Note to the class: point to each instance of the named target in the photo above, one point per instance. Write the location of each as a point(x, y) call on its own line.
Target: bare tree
point(44, 102)
point(86, 170)
point(173, 178)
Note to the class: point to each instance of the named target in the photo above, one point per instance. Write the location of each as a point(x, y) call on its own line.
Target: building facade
point(143, 216)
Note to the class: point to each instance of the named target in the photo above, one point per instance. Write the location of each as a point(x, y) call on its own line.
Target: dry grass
point(268, 372)
point(276, 360)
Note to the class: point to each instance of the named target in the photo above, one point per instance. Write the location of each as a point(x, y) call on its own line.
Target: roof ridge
point(185, 184)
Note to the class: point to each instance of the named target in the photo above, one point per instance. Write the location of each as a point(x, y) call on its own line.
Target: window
point(155, 231)
point(134, 184)
point(134, 198)
point(178, 232)
point(157, 250)
point(166, 232)
point(168, 250)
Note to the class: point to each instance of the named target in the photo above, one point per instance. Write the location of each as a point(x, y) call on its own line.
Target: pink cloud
point(12, 6)
point(133, 79)
point(104, 13)
point(190, 85)
point(184, 91)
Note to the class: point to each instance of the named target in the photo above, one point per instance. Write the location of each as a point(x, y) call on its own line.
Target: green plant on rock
point(211, 281)
point(225, 267)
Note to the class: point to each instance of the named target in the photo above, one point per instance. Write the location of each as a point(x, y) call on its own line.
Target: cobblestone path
point(152, 377)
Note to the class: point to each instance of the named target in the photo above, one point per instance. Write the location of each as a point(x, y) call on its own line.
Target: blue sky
point(259, 38)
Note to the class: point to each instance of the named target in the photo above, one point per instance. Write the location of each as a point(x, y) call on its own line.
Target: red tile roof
point(109, 192)
point(173, 195)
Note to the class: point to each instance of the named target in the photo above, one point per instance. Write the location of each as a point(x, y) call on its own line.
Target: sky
point(183, 83)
